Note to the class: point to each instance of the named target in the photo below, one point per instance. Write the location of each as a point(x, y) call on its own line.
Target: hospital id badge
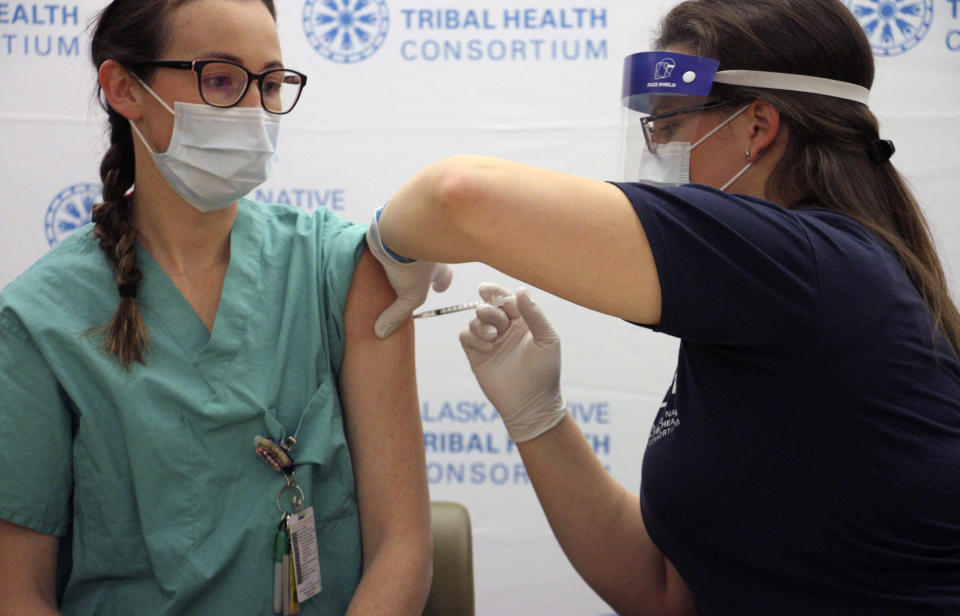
point(306, 554)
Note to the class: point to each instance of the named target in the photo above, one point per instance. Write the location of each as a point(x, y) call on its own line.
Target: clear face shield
point(663, 97)
point(663, 94)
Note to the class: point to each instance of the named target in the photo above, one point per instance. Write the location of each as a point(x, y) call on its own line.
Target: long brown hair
point(129, 32)
point(827, 161)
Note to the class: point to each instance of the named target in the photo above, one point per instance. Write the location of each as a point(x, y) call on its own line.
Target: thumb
point(442, 275)
point(540, 328)
point(497, 295)
point(393, 317)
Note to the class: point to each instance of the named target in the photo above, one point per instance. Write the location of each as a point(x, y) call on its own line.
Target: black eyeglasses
point(223, 83)
point(656, 131)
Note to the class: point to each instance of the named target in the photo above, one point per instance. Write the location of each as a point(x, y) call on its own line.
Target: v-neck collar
point(166, 307)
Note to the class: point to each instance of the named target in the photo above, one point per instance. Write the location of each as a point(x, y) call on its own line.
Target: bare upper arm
point(28, 563)
point(575, 237)
point(381, 412)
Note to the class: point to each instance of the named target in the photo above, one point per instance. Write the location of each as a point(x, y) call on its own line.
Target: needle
point(497, 301)
point(446, 310)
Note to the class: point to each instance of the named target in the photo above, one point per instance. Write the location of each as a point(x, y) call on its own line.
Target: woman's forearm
point(28, 563)
point(14, 605)
point(396, 581)
point(598, 524)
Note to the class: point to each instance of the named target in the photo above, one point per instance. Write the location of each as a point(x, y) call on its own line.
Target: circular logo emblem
point(70, 209)
point(893, 26)
point(346, 30)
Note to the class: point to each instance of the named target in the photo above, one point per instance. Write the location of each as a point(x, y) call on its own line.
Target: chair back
point(451, 591)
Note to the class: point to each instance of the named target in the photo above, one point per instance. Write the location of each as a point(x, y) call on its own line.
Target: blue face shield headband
point(661, 73)
point(662, 90)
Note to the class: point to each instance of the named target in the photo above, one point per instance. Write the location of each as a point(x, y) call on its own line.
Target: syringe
point(497, 301)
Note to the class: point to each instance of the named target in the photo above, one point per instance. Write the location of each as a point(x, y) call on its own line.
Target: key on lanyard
point(296, 565)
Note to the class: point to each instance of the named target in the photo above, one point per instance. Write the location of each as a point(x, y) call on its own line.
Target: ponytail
point(834, 158)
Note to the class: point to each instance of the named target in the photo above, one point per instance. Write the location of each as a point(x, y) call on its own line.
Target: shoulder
point(695, 209)
point(68, 290)
point(370, 279)
point(734, 209)
point(79, 249)
point(687, 199)
point(293, 223)
point(707, 213)
point(71, 270)
point(694, 223)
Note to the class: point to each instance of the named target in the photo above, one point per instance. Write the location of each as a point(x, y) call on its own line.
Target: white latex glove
point(410, 278)
point(515, 354)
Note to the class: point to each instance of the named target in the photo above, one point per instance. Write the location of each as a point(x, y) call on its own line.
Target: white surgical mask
point(670, 166)
point(216, 155)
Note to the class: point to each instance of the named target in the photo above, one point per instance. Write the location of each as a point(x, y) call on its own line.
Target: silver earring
point(748, 153)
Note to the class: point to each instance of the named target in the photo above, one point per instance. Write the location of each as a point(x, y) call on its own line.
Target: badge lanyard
point(296, 557)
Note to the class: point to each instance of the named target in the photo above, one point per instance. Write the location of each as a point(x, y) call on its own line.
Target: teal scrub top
point(150, 476)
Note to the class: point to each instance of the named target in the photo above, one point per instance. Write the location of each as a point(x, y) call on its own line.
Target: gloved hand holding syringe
point(514, 352)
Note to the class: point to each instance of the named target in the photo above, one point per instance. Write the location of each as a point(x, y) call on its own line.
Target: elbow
point(419, 561)
point(463, 207)
point(407, 561)
point(645, 595)
point(651, 606)
point(426, 573)
point(454, 191)
point(458, 186)
point(438, 203)
point(416, 554)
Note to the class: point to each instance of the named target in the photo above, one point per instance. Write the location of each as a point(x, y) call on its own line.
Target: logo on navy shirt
point(668, 418)
point(70, 210)
point(346, 31)
point(893, 26)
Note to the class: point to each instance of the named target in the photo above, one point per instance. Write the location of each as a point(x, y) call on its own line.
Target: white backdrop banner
point(396, 84)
